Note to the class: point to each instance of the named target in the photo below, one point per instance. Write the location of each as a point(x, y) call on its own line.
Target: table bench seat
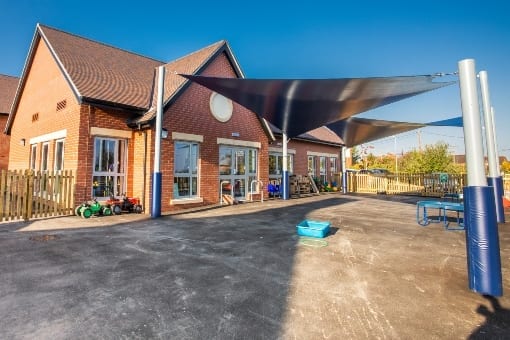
point(424, 218)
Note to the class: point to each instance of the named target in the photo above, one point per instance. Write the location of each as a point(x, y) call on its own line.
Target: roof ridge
point(7, 75)
point(99, 42)
point(219, 43)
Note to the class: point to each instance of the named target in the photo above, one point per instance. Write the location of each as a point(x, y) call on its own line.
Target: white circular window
point(221, 107)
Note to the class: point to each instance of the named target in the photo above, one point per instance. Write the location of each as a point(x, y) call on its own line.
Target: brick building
point(316, 153)
point(8, 87)
point(89, 107)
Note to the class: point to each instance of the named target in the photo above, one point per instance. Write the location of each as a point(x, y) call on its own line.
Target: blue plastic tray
point(313, 228)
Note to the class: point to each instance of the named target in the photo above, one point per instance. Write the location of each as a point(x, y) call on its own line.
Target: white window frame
point(55, 166)
point(323, 169)
point(45, 155)
point(33, 156)
point(332, 166)
point(115, 174)
point(312, 166)
point(279, 164)
point(192, 173)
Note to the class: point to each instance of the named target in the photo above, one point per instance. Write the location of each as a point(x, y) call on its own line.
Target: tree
point(412, 162)
point(385, 162)
point(434, 158)
point(355, 155)
point(505, 167)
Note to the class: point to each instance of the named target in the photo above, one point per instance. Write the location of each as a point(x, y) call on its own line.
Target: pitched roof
point(190, 64)
point(103, 74)
point(8, 86)
point(322, 135)
point(100, 72)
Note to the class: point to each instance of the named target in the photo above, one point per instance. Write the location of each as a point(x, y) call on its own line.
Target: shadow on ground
point(213, 277)
point(242, 272)
point(497, 321)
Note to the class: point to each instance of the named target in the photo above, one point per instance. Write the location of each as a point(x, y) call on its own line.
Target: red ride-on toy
point(126, 204)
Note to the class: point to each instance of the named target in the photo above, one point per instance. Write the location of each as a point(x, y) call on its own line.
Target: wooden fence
point(435, 185)
point(506, 185)
point(26, 194)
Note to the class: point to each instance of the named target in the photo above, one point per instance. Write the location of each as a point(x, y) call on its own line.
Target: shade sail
point(457, 122)
point(299, 105)
point(355, 131)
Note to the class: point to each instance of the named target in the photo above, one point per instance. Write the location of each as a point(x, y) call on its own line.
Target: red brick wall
point(191, 114)
point(93, 117)
point(45, 87)
point(37, 113)
point(4, 143)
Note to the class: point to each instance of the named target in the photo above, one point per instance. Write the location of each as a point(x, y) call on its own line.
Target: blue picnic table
point(424, 217)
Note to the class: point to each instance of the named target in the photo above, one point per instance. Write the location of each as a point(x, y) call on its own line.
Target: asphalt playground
point(242, 272)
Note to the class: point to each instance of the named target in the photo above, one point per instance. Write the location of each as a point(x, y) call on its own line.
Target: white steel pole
point(285, 172)
point(490, 139)
point(344, 170)
point(156, 178)
point(472, 126)
point(482, 238)
point(494, 180)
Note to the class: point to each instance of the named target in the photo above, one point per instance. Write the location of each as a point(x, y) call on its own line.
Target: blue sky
point(312, 39)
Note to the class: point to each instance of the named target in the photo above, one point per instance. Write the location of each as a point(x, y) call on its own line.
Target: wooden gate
point(26, 194)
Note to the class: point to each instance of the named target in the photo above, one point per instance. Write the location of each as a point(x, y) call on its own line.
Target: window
point(109, 175)
point(252, 169)
point(238, 169)
point(276, 164)
point(311, 165)
point(332, 164)
point(44, 157)
point(322, 168)
point(59, 155)
point(185, 170)
point(33, 156)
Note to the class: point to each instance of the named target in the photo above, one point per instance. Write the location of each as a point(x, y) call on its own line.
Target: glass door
point(108, 177)
point(234, 174)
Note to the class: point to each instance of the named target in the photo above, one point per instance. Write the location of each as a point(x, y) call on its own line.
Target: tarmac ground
point(242, 272)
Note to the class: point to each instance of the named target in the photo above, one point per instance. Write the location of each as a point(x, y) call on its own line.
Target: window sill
point(193, 200)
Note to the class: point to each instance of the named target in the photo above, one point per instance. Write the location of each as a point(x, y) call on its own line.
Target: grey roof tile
point(8, 86)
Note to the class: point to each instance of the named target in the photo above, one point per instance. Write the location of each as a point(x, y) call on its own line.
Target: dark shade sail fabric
point(356, 131)
point(296, 106)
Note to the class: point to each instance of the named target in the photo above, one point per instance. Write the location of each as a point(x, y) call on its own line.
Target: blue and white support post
point(482, 239)
point(156, 177)
point(344, 171)
point(495, 180)
point(285, 172)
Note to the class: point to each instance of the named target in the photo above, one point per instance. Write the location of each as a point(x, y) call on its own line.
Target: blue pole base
point(482, 241)
point(156, 195)
point(497, 186)
point(285, 185)
point(344, 182)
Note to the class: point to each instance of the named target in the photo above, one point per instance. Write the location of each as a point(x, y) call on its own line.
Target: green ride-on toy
point(87, 209)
